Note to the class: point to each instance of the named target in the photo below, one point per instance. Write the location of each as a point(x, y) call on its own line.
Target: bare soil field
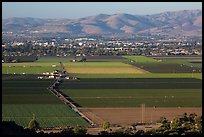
point(127, 116)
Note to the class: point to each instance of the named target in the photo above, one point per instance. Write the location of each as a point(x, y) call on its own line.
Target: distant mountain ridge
point(186, 22)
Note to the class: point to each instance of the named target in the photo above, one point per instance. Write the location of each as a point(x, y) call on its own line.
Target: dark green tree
point(106, 125)
point(163, 120)
point(176, 123)
point(79, 130)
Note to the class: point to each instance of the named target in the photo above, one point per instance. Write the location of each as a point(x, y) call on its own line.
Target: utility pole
point(143, 112)
point(92, 118)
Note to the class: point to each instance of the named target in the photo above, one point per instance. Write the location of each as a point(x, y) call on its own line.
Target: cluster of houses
point(51, 75)
point(57, 74)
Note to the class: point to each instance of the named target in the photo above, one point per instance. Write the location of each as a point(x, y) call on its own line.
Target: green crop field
point(134, 92)
point(179, 58)
point(141, 65)
point(136, 97)
point(166, 64)
point(27, 92)
point(141, 59)
point(54, 59)
point(72, 67)
point(136, 83)
point(192, 61)
point(21, 98)
point(168, 68)
point(101, 68)
point(20, 58)
point(149, 75)
point(194, 64)
point(28, 68)
point(88, 59)
point(105, 59)
point(127, 81)
point(48, 115)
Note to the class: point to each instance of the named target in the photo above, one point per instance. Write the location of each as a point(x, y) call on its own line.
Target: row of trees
point(181, 125)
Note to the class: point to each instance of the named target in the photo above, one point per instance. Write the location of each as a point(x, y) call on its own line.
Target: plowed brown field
point(127, 116)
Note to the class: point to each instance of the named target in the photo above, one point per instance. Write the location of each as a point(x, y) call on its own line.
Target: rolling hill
point(186, 22)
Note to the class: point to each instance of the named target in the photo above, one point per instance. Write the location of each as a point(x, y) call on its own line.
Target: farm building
point(51, 76)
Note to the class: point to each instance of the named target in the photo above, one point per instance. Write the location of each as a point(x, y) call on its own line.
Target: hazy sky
point(74, 10)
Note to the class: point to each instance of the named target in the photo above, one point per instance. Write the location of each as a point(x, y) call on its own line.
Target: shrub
point(106, 125)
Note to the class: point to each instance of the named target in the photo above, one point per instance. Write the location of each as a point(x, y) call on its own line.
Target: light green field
point(141, 59)
point(164, 60)
point(31, 64)
point(25, 97)
point(28, 68)
point(101, 68)
point(48, 115)
point(72, 67)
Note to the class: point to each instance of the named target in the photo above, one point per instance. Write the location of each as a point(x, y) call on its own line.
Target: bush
point(33, 124)
point(140, 132)
point(106, 125)
point(79, 131)
point(103, 133)
point(11, 128)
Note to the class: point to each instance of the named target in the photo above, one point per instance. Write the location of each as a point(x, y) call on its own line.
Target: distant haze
point(74, 10)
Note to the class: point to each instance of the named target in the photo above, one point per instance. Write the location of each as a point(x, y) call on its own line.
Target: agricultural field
point(72, 67)
point(133, 92)
point(20, 58)
point(129, 115)
point(88, 59)
point(20, 76)
point(136, 97)
point(192, 61)
point(168, 68)
point(102, 68)
point(179, 58)
point(146, 75)
point(141, 59)
point(49, 59)
point(140, 65)
point(119, 100)
point(164, 64)
point(28, 68)
point(105, 84)
point(133, 83)
point(21, 98)
point(105, 59)
point(195, 64)
point(48, 115)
